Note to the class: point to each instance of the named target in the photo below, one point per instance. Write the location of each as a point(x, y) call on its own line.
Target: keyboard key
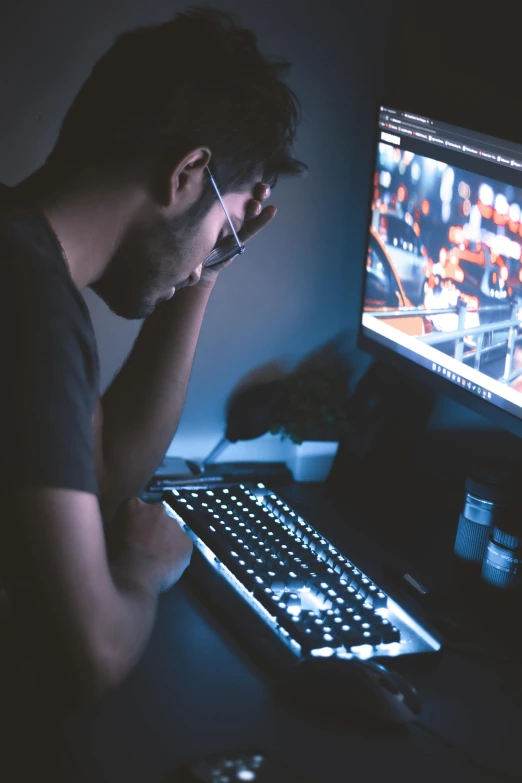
point(350, 637)
point(276, 582)
point(390, 634)
point(295, 581)
point(378, 599)
point(371, 637)
point(309, 638)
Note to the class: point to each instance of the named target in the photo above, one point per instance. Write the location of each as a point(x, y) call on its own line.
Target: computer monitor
point(442, 290)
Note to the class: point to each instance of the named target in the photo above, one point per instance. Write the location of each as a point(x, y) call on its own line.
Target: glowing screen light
point(486, 195)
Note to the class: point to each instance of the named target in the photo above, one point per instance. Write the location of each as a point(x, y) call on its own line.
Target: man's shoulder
point(27, 244)
point(41, 309)
point(33, 269)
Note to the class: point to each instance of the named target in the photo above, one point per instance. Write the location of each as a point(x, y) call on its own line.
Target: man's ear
point(187, 177)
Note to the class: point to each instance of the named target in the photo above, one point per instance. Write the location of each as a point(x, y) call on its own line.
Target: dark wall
point(461, 60)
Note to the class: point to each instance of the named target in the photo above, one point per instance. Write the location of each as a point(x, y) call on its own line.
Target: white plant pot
point(312, 460)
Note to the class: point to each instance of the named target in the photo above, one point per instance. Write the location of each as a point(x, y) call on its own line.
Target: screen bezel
point(488, 410)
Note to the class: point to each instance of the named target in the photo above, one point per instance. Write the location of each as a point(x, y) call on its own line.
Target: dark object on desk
point(238, 767)
point(388, 413)
point(250, 413)
point(363, 690)
point(439, 609)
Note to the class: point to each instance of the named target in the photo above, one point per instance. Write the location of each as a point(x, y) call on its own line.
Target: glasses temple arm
point(218, 194)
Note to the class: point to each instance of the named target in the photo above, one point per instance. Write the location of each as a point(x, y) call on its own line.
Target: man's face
point(162, 255)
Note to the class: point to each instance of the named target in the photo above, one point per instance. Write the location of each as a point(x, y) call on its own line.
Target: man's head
point(162, 104)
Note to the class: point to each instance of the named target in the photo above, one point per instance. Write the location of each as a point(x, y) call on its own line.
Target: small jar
point(492, 496)
point(502, 566)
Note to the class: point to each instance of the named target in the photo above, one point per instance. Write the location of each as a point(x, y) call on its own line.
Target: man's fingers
point(253, 209)
point(256, 224)
point(250, 228)
point(261, 191)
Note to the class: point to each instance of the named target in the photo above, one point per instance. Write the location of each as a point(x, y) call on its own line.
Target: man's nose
point(195, 276)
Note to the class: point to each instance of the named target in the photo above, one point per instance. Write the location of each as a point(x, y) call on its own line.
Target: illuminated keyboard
point(311, 599)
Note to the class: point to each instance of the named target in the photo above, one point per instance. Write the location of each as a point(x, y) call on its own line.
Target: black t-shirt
point(50, 371)
point(49, 382)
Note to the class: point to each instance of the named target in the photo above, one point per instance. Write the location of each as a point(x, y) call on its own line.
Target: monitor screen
point(443, 278)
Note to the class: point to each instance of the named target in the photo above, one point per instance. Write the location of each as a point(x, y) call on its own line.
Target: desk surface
point(196, 692)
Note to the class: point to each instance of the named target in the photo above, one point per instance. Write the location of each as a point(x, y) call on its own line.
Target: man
point(126, 203)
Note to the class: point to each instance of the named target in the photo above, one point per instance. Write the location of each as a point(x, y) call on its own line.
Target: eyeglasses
point(230, 247)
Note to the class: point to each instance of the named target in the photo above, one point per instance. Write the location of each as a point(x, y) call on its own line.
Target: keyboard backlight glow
point(216, 563)
point(322, 652)
point(392, 613)
point(312, 600)
point(405, 617)
point(342, 653)
point(363, 651)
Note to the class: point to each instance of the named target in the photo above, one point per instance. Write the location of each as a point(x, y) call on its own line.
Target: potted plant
point(313, 414)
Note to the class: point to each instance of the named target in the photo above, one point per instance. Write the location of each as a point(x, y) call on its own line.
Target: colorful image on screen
point(444, 263)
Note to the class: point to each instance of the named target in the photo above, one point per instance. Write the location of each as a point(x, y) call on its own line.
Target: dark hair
point(197, 80)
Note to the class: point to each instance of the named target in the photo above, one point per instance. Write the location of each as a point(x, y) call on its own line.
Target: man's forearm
point(122, 630)
point(143, 405)
point(129, 621)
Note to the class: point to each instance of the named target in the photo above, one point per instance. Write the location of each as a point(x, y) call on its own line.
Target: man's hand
point(256, 218)
point(145, 530)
